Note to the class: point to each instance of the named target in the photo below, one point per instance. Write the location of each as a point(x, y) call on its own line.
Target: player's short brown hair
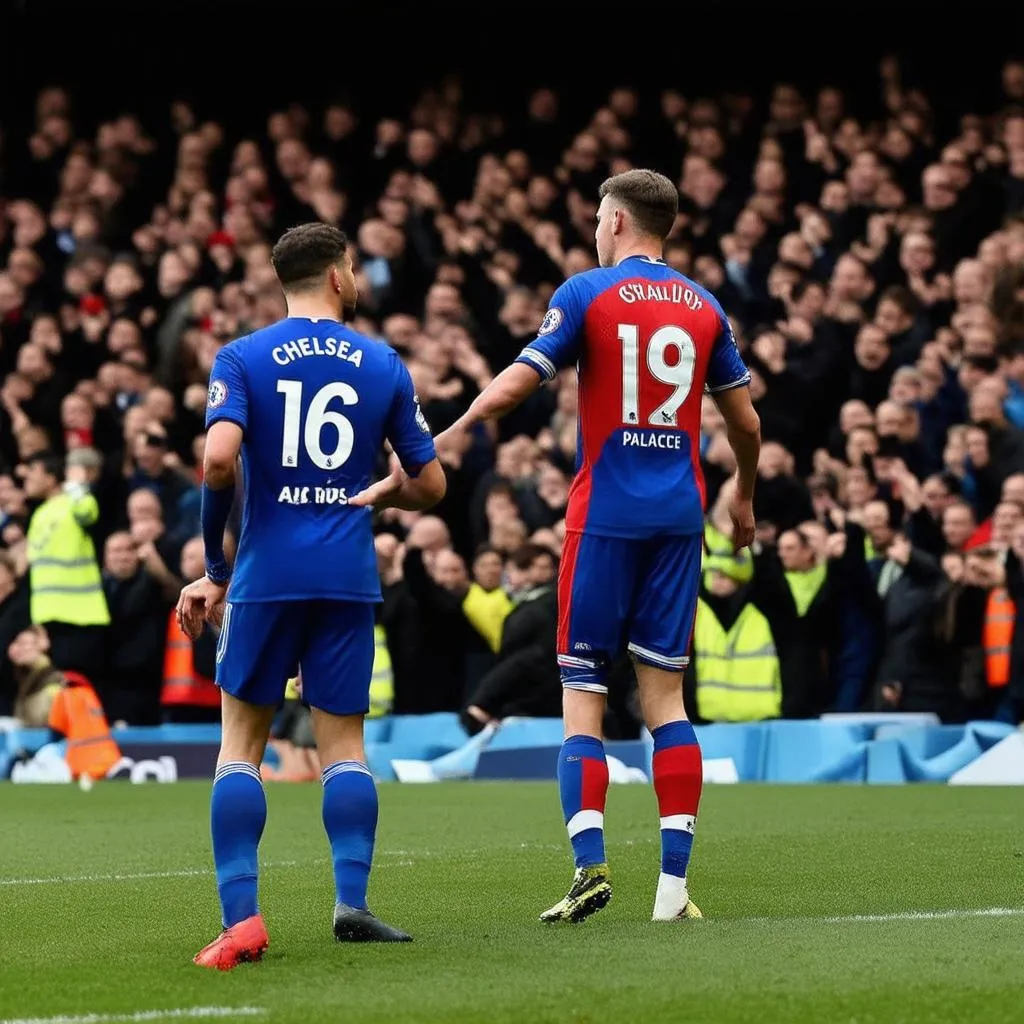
point(303, 254)
point(651, 198)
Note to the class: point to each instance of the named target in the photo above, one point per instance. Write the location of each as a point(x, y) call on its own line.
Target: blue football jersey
point(315, 402)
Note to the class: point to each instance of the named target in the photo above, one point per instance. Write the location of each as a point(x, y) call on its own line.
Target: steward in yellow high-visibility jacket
point(738, 676)
point(734, 673)
point(65, 584)
point(761, 645)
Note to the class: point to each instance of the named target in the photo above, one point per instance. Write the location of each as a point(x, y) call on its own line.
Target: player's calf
point(583, 788)
point(350, 820)
point(238, 813)
point(678, 778)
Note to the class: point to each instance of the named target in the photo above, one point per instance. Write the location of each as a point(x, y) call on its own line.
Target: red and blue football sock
point(583, 785)
point(678, 779)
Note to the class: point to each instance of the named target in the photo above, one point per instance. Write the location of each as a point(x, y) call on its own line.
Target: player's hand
point(200, 602)
point(452, 438)
point(378, 495)
point(741, 512)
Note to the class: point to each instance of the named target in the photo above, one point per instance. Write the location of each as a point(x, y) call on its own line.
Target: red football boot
point(242, 943)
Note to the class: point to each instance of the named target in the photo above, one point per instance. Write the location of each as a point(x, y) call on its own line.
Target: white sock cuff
point(582, 820)
point(332, 771)
point(237, 768)
point(680, 822)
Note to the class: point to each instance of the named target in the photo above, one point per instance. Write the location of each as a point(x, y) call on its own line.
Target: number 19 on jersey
point(678, 374)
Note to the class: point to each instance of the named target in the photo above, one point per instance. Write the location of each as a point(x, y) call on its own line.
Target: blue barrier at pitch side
point(871, 749)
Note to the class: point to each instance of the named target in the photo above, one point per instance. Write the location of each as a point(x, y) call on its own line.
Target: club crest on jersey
point(217, 394)
point(551, 322)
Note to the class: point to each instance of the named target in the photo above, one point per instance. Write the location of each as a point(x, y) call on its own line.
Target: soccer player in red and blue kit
point(647, 342)
point(307, 403)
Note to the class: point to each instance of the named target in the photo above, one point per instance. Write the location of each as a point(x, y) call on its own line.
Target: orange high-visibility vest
point(182, 684)
point(78, 715)
point(997, 635)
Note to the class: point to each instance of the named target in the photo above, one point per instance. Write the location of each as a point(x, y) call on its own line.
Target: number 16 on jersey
point(318, 417)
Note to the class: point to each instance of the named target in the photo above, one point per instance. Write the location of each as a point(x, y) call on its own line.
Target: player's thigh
point(595, 584)
point(665, 602)
point(258, 650)
point(337, 657)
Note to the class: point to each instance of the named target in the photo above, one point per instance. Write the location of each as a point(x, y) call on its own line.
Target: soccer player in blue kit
point(308, 404)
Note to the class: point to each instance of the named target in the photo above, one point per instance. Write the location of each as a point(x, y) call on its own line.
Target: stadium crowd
point(870, 254)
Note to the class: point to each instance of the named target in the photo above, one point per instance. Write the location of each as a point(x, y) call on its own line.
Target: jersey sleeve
point(228, 396)
point(726, 368)
point(407, 427)
point(557, 344)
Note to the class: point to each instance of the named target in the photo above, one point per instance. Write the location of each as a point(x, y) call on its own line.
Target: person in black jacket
point(910, 674)
point(525, 681)
point(14, 617)
point(138, 603)
point(443, 631)
point(1013, 709)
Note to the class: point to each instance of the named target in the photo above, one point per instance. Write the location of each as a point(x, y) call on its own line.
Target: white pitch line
point(406, 858)
point(907, 915)
point(133, 876)
point(910, 915)
point(127, 877)
point(928, 915)
point(187, 1013)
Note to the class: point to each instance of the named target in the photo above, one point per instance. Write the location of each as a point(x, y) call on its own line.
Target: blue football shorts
point(617, 594)
point(263, 644)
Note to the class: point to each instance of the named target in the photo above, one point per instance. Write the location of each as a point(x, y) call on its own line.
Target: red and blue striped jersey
point(647, 342)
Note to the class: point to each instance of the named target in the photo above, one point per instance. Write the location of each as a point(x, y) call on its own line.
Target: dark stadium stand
point(864, 230)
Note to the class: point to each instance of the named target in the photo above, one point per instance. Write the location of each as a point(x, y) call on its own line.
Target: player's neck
point(649, 250)
point(311, 307)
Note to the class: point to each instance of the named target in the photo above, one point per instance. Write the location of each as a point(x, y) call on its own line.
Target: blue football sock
point(238, 812)
point(350, 819)
point(583, 785)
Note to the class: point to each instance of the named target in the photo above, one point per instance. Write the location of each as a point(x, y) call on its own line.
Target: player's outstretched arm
point(743, 429)
point(506, 392)
point(399, 490)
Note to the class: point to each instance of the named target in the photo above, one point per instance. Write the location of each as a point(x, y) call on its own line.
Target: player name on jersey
point(652, 439)
point(302, 347)
point(650, 291)
point(312, 496)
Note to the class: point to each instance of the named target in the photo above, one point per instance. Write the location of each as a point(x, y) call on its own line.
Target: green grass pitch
point(809, 895)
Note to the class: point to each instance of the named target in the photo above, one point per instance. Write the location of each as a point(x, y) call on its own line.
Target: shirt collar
point(644, 259)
